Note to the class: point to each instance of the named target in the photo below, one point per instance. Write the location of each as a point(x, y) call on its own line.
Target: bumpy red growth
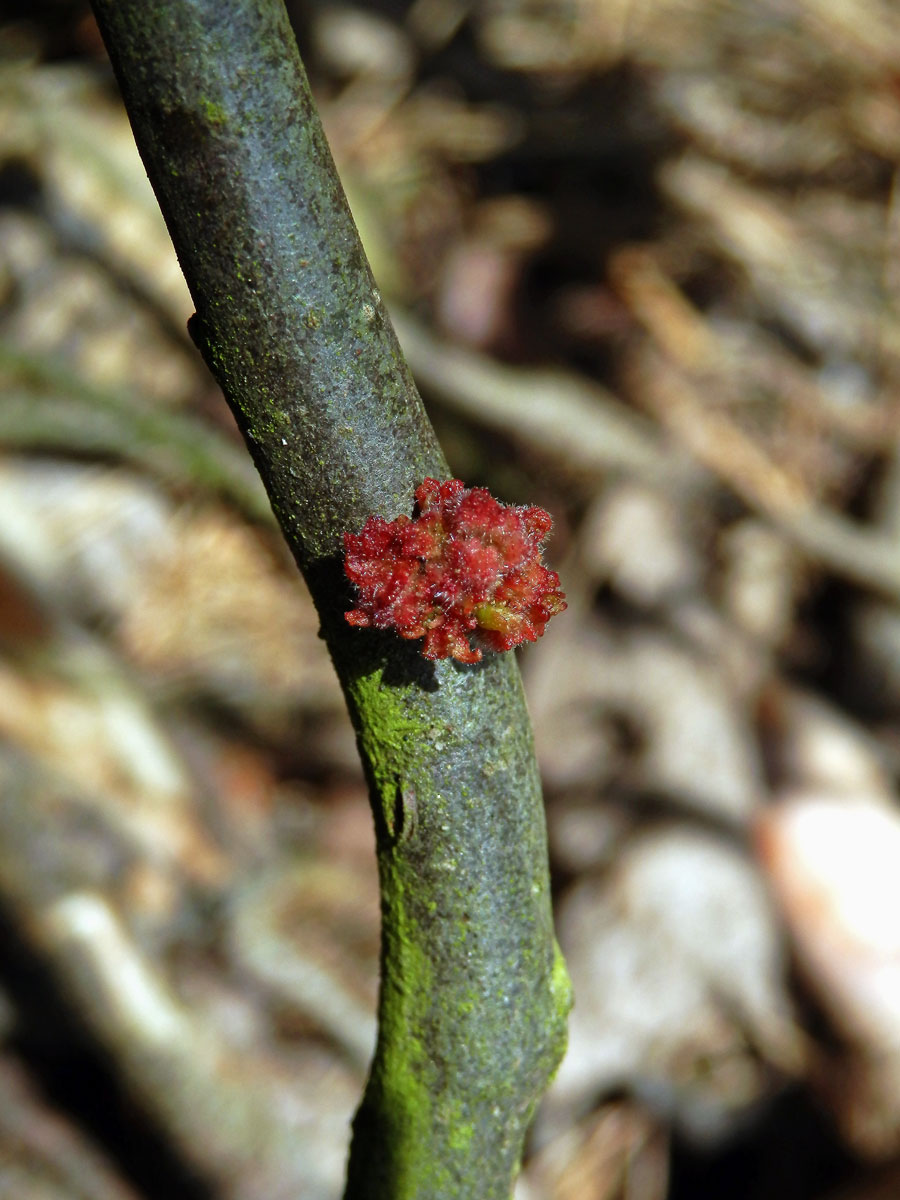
point(463, 565)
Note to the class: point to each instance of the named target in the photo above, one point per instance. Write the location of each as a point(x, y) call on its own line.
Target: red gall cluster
point(463, 565)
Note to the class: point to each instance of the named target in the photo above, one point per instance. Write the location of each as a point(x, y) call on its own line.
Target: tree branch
point(473, 995)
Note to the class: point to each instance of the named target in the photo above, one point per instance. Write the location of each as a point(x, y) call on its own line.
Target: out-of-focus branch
point(48, 407)
point(224, 1112)
point(863, 555)
point(555, 413)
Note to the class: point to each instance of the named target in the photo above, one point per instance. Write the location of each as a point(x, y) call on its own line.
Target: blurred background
point(643, 256)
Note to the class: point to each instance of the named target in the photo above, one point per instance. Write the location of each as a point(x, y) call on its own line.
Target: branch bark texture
point(473, 994)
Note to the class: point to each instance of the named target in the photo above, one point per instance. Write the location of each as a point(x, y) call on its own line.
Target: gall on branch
point(464, 573)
